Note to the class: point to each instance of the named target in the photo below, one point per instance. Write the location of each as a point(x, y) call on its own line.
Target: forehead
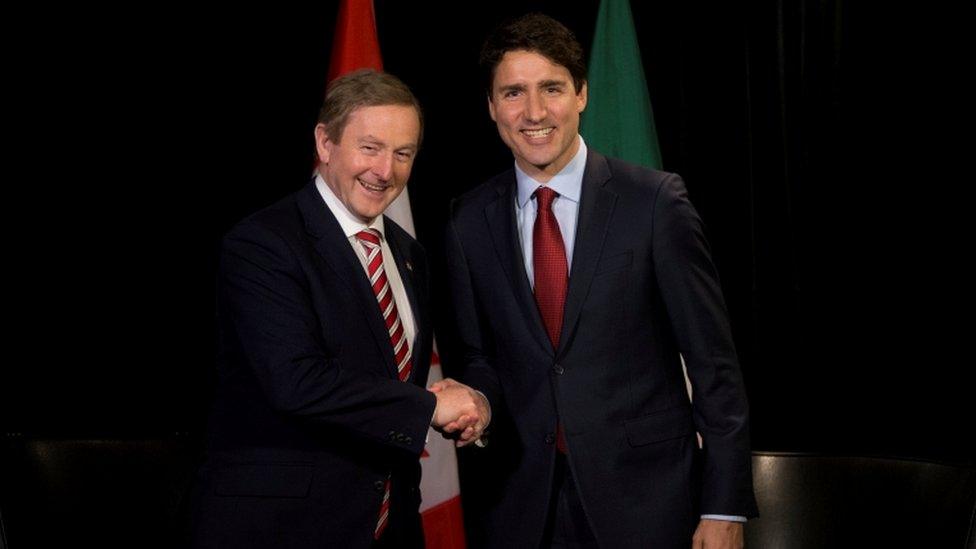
point(398, 124)
point(527, 67)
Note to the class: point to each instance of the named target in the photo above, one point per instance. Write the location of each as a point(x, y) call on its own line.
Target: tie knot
point(369, 236)
point(545, 196)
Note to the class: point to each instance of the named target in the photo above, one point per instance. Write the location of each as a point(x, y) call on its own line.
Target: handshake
point(461, 413)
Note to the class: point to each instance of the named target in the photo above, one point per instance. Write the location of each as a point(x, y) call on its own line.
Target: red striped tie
point(370, 240)
point(551, 275)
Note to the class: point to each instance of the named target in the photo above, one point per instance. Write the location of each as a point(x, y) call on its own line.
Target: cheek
point(508, 126)
point(403, 172)
point(355, 166)
point(505, 119)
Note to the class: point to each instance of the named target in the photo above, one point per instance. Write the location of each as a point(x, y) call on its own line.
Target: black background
point(825, 147)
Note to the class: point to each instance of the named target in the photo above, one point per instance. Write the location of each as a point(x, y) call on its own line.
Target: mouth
point(373, 187)
point(540, 133)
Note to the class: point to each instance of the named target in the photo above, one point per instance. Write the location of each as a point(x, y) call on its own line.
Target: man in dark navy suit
point(321, 410)
point(579, 282)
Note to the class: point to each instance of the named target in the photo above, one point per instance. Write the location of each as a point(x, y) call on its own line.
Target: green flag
point(618, 120)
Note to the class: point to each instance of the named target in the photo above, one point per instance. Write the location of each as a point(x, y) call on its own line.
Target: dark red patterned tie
point(551, 274)
point(370, 240)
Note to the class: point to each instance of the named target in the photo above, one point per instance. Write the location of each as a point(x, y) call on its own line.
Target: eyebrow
point(544, 84)
point(550, 83)
point(511, 87)
point(372, 139)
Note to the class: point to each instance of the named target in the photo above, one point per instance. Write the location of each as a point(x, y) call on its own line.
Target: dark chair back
point(821, 501)
point(3, 536)
point(93, 492)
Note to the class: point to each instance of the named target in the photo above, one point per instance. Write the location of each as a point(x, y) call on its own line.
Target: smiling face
point(368, 166)
point(537, 110)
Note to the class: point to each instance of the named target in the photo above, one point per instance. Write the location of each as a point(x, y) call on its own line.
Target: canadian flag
point(356, 46)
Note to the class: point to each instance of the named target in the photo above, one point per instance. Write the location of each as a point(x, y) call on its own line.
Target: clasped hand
point(461, 413)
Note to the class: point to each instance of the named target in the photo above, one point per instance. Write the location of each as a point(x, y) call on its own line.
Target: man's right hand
point(460, 411)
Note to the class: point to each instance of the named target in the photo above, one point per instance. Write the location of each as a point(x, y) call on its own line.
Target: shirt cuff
point(482, 440)
point(730, 518)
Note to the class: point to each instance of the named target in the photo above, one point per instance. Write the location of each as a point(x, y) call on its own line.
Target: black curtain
point(815, 139)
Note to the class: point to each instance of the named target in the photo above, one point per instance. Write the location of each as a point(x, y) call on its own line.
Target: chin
point(541, 158)
point(541, 163)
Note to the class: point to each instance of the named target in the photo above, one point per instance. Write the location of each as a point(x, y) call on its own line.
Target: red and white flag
point(356, 46)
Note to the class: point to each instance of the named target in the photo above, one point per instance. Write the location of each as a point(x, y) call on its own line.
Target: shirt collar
point(568, 182)
point(350, 223)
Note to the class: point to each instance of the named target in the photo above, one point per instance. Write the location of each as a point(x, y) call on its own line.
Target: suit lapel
point(500, 215)
point(333, 246)
point(596, 207)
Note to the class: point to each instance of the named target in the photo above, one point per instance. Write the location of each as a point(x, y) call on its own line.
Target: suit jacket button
point(550, 438)
point(407, 440)
point(558, 369)
point(379, 485)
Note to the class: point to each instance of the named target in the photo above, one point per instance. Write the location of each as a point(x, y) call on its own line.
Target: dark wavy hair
point(538, 33)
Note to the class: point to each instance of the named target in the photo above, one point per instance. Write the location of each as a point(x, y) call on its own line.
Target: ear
point(581, 98)
point(323, 144)
point(491, 108)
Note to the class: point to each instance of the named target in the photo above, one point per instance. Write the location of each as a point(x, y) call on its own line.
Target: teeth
point(377, 188)
point(538, 133)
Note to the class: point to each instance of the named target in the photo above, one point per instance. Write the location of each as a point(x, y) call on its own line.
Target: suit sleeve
point(693, 297)
point(475, 347)
point(267, 297)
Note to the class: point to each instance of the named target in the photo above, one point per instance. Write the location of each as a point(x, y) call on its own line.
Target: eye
point(404, 156)
point(512, 93)
point(369, 149)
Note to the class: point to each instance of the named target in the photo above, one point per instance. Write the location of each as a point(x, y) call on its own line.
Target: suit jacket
point(309, 417)
point(642, 289)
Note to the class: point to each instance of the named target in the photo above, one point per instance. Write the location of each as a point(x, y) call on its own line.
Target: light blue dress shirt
point(569, 184)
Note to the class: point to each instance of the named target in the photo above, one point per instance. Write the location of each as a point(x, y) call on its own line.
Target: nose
point(535, 110)
point(383, 166)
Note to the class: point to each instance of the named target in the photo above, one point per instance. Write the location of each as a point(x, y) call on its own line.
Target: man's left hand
point(718, 534)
